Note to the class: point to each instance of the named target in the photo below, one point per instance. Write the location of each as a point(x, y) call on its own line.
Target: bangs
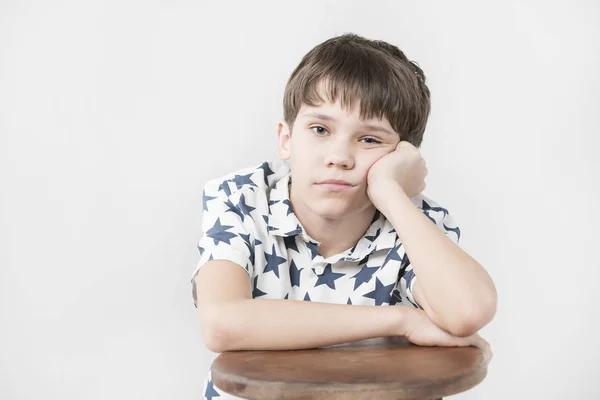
point(372, 86)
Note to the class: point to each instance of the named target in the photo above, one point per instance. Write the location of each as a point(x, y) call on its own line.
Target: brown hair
point(378, 73)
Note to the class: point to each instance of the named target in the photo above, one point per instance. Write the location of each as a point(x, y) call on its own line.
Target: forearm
point(270, 324)
point(457, 288)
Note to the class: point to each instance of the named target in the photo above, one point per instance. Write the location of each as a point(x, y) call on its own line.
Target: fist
point(404, 166)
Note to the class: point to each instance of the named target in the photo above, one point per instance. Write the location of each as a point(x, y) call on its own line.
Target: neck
point(335, 235)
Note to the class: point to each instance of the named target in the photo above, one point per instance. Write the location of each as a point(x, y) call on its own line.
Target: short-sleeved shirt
point(248, 219)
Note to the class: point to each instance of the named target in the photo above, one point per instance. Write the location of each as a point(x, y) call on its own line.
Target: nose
point(341, 156)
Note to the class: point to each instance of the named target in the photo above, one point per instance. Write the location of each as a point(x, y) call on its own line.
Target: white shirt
point(248, 220)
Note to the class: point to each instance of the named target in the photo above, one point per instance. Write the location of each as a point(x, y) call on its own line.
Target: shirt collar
point(282, 221)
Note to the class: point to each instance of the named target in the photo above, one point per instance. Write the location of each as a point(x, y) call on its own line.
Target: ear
point(284, 141)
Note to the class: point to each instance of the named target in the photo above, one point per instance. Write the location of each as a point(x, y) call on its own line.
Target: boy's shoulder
point(259, 178)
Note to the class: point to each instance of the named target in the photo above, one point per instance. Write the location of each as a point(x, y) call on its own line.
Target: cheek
point(370, 158)
point(303, 145)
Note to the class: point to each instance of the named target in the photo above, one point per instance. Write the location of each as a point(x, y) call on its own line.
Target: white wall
point(113, 114)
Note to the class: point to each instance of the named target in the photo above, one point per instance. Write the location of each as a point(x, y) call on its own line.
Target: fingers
point(488, 356)
point(478, 341)
point(485, 347)
point(405, 143)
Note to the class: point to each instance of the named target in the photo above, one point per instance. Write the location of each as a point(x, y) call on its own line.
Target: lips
point(335, 182)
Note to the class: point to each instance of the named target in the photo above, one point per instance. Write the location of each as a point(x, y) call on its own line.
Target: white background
point(113, 114)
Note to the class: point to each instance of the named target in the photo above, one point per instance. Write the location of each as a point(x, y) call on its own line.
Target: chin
point(333, 209)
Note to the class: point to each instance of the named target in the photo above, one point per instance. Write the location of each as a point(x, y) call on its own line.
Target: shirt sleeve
point(403, 293)
point(407, 278)
point(225, 236)
point(441, 218)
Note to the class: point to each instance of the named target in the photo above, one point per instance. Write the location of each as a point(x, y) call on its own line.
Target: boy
point(296, 251)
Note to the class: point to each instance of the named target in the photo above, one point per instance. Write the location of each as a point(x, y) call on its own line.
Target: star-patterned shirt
point(248, 220)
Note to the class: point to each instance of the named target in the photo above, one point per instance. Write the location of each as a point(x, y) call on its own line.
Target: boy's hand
point(404, 166)
point(419, 329)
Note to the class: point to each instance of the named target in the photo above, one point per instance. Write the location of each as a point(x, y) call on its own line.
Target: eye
point(371, 140)
point(321, 131)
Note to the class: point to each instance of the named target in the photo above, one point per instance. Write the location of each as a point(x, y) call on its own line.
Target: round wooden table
point(382, 368)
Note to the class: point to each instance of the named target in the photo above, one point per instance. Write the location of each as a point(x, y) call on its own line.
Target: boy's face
point(329, 142)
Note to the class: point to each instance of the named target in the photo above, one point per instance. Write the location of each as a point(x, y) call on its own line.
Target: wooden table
point(382, 368)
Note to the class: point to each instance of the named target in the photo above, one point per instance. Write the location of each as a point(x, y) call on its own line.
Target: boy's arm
point(455, 291)
point(231, 320)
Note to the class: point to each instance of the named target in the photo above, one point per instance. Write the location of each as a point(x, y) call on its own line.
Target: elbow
point(465, 327)
point(214, 340)
point(471, 321)
point(216, 333)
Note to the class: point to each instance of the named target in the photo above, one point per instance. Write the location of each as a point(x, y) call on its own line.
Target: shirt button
point(319, 270)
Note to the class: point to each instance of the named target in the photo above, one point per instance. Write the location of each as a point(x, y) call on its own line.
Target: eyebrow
point(325, 117)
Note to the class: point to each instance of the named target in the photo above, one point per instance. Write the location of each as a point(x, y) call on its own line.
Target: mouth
point(335, 185)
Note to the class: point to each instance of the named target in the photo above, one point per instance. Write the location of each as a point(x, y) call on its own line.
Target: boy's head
point(339, 88)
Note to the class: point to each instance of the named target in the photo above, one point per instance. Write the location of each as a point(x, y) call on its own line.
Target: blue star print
point(364, 275)
point(408, 276)
point(364, 260)
point(273, 262)
point(289, 209)
point(290, 243)
point(219, 232)
point(392, 256)
point(245, 208)
point(266, 172)
point(232, 208)
point(328, 277)
point(294, 274)
point(381, 294)
point(396, 298)
point(372, 238)
point(313, 249)
point(210, 391)
point(257, 292)
point(248, 246)
point(296, 231)
point(206, 199)
point(455, 230)
point(427, 211)
point(241, 180)
point(225, 188)
point(427, 207)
